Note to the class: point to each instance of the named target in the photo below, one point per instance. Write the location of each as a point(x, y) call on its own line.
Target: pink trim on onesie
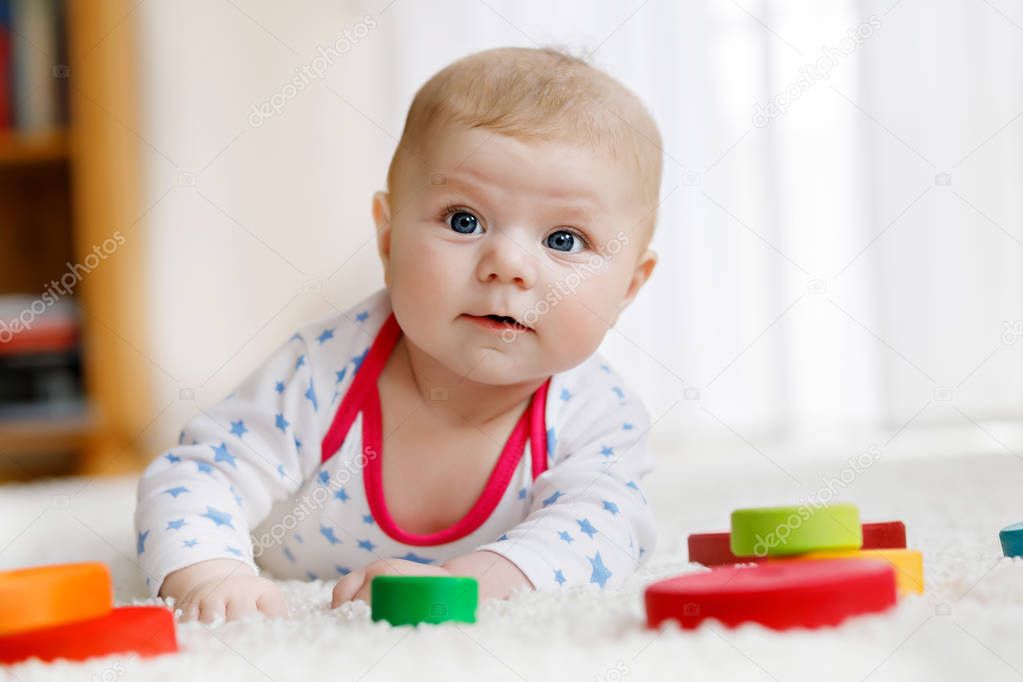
point(363, 396)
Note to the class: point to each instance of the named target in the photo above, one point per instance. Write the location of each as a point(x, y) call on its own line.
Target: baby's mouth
point(507, 322)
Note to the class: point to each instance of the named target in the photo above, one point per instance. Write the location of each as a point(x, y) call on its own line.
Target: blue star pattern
point(288, 555)
point(281, 423)
point(366, 545)
point(176, 524)
point(140, 546)
point(607, 450)
point(586, 527)
point(203, 467)
point(172, 458)
point(559, 576)
point(564, 535)
point(300, 361)
point(177, 490)
point(566, 394)
point(279, 387)
point(522, 493)
point(361, 317)
point(329, 534)
point(552, 442)
point(191, 543)
point(611, 507)
point(310, 394)
point(325, 335)
point(220, 454)
point(600, 571)
point(358, 360)
point(552, 499)
point(323, 477)
point(218, 517)
point(234, 550)
point(238, 428)
point(411, 556)
point(341, 495)
point(344, 570)
point(367, 518)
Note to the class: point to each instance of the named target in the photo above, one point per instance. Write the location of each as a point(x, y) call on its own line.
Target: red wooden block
point(779, 595)
point(884, 535)
point(712, 549)
point(143, 630)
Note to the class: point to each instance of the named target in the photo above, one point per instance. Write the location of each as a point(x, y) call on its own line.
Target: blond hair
point(539, 94)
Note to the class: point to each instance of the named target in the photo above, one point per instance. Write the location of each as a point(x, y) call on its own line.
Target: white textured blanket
point(967, 625)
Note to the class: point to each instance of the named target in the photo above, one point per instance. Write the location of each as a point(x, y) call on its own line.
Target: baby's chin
point(505, 367)
point(496, 368)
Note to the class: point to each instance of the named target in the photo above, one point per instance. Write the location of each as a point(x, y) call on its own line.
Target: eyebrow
point(577, 204)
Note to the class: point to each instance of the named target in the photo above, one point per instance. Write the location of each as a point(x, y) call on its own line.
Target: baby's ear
point(644, 267)
point(382, 218)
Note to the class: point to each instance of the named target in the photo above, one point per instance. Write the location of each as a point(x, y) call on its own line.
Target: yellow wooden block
point(908, 564)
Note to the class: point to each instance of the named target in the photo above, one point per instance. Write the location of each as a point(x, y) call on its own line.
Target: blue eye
point(463, 222)
point(563, 240)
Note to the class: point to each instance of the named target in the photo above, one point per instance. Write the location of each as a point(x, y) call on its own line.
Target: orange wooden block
point(47, 596)
point(142, 630)
point(907, 563)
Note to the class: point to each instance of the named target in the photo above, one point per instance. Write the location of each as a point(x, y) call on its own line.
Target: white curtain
point(838, 273)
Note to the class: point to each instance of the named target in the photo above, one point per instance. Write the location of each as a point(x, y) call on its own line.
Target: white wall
point(918, 278)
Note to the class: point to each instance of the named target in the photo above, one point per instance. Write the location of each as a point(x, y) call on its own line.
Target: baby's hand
point(356, 585)
point(222, 588)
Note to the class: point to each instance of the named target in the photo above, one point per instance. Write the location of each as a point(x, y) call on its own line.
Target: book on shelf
point(33, 64)
point(40, 359)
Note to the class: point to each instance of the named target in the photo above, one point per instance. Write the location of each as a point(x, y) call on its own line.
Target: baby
point(458, 421)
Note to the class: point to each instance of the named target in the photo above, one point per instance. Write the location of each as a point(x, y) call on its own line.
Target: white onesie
point(286, 471)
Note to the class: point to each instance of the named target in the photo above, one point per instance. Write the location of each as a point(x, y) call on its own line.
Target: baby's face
point(479, 223)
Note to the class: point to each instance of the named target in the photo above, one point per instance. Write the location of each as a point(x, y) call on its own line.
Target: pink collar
point(362, 395)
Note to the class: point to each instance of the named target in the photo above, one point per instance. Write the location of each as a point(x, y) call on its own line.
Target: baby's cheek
point(576, 326)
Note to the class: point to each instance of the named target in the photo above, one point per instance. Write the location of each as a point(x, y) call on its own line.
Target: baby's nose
point(505, 260)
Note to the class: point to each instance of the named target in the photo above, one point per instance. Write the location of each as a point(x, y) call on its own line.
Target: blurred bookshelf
point(71, 394)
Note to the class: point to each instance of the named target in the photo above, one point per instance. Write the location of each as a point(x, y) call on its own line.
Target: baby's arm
point(589, 521)
point(198, 502)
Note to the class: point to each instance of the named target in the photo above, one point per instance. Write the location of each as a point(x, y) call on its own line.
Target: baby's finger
point(189, 611)
point(240, 607)
point(341, 590)
point(211, 608)
point(346, 588)
point(273, 605)
point(364, 592)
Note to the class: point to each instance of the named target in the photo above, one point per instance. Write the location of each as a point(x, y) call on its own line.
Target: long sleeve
point(589, 522)
point(200, 499)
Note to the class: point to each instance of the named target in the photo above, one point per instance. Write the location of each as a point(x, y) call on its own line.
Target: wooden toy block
point(410, 600)
point(46, 596)
point(143, 630)
point(782, 531)
point(779, 595)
